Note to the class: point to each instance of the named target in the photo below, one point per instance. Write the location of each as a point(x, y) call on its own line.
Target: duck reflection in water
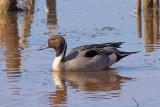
point(90, 82)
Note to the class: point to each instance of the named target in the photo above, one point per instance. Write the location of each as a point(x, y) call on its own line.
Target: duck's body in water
point(85, 58)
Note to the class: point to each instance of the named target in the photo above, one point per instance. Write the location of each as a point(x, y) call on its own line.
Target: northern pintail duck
point(93, 57)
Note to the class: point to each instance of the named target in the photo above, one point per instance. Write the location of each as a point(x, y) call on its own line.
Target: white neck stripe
point(58, 59)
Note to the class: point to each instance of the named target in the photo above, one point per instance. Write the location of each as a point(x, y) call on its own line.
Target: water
point(25, 75)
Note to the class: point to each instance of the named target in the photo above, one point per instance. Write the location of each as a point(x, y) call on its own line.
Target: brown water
point(25, 75)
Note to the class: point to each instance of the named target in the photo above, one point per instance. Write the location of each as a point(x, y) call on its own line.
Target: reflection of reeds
point(25, 31)
point(51, 14)
point(6, 5)
point(148, 3)
point(9, 37)
point(156, 22)
point(151, 22)
point(29, 5)
point(12, 42)
point(148, 28)
point(26, 23)
point(138, 18)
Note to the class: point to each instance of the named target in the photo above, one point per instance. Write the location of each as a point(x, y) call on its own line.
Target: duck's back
point(93, 57)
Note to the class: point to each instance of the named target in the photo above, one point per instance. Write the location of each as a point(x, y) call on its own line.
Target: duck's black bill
point(43, 47)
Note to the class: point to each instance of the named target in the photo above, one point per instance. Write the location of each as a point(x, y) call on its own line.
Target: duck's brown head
point(58, 43)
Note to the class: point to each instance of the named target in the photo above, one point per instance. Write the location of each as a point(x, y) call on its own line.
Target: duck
point(94, 57)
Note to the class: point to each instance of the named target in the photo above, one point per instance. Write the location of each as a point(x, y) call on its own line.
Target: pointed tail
point(121, 55)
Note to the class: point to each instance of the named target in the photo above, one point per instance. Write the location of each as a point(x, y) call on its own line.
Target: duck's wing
point(101, 57)
point(112, 54)
point(94, 49)
point(108, 49)
point(98, 46)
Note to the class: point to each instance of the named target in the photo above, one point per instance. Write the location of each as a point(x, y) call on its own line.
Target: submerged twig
point(137, 104)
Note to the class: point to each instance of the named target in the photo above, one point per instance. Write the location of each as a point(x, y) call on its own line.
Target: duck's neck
point(59, 59)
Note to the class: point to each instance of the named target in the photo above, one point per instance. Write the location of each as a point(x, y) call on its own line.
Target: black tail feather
point(121, 55)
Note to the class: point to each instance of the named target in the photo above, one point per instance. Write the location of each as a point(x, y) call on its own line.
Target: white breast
point(56, 62)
